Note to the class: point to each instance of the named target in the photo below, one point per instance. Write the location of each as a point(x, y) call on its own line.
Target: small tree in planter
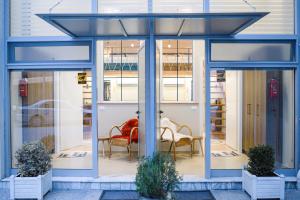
point(259, 179)
point(34, 178)
point(157, 177)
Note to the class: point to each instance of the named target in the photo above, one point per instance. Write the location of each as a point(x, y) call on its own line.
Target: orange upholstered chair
point(127, 134)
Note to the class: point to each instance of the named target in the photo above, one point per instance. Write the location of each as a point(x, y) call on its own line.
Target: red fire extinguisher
point(274, 88)
point(23, 87)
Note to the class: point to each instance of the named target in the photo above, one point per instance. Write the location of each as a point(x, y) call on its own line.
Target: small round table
point(199, 139)
point(103, 139)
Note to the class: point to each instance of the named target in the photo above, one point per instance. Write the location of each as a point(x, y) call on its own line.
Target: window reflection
point(44, 109)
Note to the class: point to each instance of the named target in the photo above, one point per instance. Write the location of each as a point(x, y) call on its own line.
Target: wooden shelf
point(218, 118)
point(217, 133)
point(218, 111)
point(217, 104)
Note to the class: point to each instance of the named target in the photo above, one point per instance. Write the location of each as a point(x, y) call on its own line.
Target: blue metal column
point(206, 6)
point(207, 112)
point(297, 89)
point(150, 93)
point(95, 112)
point(2, 69)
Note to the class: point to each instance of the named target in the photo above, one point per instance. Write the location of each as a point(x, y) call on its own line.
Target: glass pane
point(130, 89)
point(252, 51)
point(185, 58)
point(253, 107)
point(177, 6)
point(280, 20)
point(169, 89)
point(185, 89)
point(181, 113)
point(24, 22)
point(121, 116)
point(112, 89)
point(124, 6)
point(130, 58)
point(51, 53)
point(42, 110)
point(112, 58)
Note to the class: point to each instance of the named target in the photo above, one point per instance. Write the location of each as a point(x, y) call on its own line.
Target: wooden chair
point(127, 135)
point(171, 133)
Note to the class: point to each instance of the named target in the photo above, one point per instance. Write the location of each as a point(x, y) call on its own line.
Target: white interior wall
point(234, 109)
point(288, 119)
point(16, 113)
point(69, 110)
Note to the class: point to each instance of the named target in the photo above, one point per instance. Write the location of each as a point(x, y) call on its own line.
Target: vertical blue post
point(206, 6)
point(150, 6)
point(2, 69)
point(150, 93)
point(94, 111)
point(207, 112)
point(94, 6)
point(297, 89)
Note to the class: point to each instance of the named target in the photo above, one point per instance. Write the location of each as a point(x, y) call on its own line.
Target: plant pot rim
point(18, 175)
point(276, 175)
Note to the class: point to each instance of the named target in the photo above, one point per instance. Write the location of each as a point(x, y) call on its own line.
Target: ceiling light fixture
point(132, 45)
point(169, 45)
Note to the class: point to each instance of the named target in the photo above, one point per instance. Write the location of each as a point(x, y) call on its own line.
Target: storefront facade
point(230, 78)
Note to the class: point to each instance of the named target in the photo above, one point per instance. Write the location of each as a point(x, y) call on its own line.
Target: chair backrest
point(166, 122)
point(126, 128)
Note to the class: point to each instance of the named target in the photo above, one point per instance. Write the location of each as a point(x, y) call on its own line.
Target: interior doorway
point(121, 106)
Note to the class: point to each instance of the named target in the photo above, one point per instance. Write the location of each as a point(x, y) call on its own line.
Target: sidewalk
point(95, 195)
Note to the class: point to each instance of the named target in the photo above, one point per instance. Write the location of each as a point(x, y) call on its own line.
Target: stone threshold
point(189, 183)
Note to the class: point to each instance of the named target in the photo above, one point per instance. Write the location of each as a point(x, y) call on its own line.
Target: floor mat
point(133, 195)
point(72, 155)
point(224, 153)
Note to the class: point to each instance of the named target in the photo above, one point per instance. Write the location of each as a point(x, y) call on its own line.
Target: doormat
point(133, 195)
point(225, 154)
point(72, 155)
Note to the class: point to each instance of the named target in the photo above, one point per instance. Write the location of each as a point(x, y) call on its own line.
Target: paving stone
point(292, 194)
point(230, 195)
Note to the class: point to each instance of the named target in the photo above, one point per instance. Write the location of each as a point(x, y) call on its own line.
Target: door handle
point(137, 112)
point(161, 112)
point(257, 110)
point(249, 109)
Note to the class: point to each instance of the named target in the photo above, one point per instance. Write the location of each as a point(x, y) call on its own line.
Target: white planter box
point(263, 187)
point(30, 187)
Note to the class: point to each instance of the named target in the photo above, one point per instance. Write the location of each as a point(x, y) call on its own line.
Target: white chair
point(171, 133)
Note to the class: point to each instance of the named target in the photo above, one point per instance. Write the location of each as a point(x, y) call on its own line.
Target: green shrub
point(33, 160)
point(157, 176)
point(261, 161)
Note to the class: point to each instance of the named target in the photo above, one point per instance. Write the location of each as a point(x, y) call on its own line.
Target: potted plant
point(34, 178)
point(259, 179)
point(157, 177)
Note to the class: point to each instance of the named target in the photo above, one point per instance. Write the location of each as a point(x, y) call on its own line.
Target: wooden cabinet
point(254, 108)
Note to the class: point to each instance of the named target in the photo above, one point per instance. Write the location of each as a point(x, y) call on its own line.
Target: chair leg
point(129, 151)
point(174, 151)
point(192, 149)
point(170, 149)
point(109, 150)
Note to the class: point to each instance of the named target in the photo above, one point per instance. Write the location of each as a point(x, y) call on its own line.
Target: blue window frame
point(254, 51)
point(50, 52)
